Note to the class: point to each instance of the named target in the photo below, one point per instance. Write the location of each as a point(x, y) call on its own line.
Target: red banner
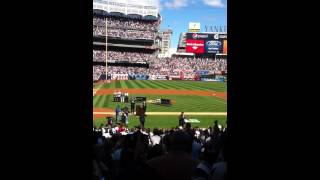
point(195, 46)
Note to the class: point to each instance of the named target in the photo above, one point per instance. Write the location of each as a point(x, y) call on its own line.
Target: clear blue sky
point(177, 14)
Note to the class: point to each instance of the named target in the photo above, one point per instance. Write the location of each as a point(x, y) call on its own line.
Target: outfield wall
point(163, 77)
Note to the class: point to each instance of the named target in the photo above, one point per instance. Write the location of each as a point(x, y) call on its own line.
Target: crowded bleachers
point(173, 153)
point(125, 28)
point(100, 56)
point(127, 70)
point(172, 66)
point(123, 34)
point(126, 23)
point(98, 71)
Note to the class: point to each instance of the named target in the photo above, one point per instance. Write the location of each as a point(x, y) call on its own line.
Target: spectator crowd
point(128, 28)
point(100, 56)
point(126, 23)
point(169, 66)
point(187, 64)
point(98, 71)
point(184, 153)
point(123, 34)
point(125, 28)
point(127, 70)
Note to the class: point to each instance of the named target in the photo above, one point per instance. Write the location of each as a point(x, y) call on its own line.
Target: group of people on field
point(122, 114)
point(119, 96)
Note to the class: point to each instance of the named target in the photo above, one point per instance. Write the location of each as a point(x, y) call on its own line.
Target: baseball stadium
point(158, 112)
point(130, 55)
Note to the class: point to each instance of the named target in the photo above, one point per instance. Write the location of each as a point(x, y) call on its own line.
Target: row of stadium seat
point(125, 23)
point(100, 56)
point(123, 33)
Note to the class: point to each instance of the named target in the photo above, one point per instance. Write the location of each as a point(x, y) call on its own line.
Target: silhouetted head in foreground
point(179, 141)
point(188, 126)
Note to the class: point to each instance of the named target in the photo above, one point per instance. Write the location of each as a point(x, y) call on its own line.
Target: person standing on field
point(181, 119)
point(121, 97)
point(142, 120)
point(133, 103)
point(144, 106)
point(117, 113)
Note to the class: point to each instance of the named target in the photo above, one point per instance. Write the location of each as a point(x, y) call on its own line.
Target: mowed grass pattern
point(182, 103)
point(187, 85)
point(187, 103)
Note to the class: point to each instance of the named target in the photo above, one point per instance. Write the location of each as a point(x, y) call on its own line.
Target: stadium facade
point(131, 27)
point(135, 7)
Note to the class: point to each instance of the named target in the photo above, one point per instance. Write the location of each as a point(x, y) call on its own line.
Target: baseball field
point(201, 101)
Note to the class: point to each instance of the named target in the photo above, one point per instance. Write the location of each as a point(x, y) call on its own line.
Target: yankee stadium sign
point(222, 29)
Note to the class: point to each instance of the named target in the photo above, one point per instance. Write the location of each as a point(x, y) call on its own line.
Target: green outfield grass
point(183, 103)
point(146, 84)
point(168, 121)
point(186, 103)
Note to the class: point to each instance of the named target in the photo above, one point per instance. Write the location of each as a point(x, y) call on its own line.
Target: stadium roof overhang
point(120, 14)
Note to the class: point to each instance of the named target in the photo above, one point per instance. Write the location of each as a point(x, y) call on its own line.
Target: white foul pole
point(106, 48)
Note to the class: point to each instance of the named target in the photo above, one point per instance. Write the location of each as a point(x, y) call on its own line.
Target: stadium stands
point(125, 28)
point(100, 56)
point(174, 65)
point(176, 153)
point(126, 23)
point(127, 70)
point(160, 66)
point(98, 71)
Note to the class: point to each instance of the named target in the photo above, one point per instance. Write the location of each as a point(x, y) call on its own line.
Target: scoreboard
point(206, 43)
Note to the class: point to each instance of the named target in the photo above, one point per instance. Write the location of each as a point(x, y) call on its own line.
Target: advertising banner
point(158, 77)
point(195, 46)
point(141, 77)
point(209, 79)
point(119, 76)
point(203, 72)
point(213, 46)
point(208, 43)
